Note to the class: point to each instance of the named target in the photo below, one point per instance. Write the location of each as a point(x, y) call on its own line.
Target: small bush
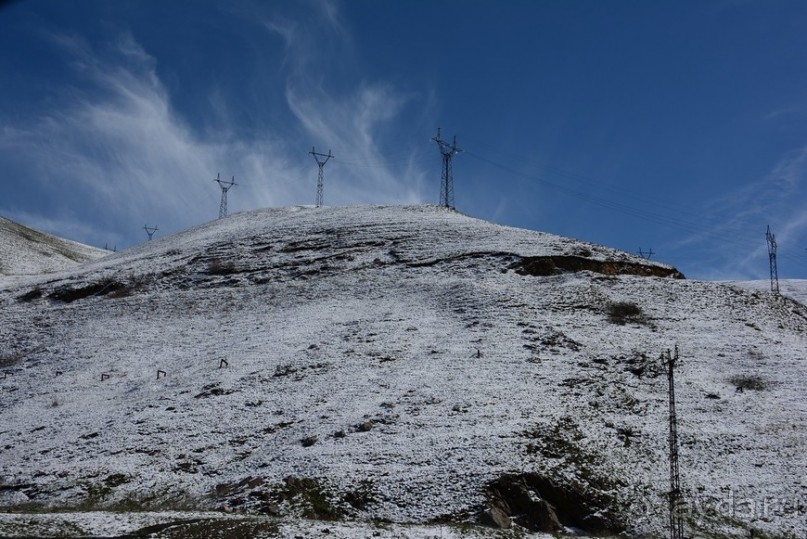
point(363, 496)
point(752, 382)
point(116, 480)
point(310, 497)
point(9, 360)
point(284, 370)
point(308, 441)
point(221, 267)
point(622, 312)
point(366, 426)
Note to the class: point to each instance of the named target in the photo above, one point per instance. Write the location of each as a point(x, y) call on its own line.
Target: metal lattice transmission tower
point(225, 186)
point(321, 159)
point(447, 178)
point(150, 230)
point(772, 257)
point(674, 497)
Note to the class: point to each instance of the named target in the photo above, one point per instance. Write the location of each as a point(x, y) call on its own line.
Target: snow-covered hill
point(793, 288)
point(25, 251)
point(405, 364)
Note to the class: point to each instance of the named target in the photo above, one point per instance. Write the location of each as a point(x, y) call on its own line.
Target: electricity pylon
point(447, 177)
point(676, 521)
point(321, 159)
point(150, 230)
point(772, 257)
point(225, 186)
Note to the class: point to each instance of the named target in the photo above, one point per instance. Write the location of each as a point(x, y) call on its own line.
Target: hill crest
point(26, 251)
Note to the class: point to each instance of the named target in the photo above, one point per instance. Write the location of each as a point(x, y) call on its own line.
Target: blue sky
point(676, 126)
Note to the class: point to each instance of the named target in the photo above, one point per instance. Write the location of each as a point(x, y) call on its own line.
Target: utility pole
point(447, 177)
point(225, 186)
point(321, 159)
point(150, 230)
point(676, 521)
point(772, 257)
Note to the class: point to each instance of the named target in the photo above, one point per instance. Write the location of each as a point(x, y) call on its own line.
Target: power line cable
point(599, 185)
point(595, 184)
point(650, 216)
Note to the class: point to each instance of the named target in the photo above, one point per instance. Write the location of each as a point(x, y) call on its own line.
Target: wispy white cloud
point(350, 119)
point(734, 225)
point(116, 154)
point(785, 112)
point(123, 151)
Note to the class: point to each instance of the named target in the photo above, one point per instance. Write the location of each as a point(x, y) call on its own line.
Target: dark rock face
point(544, 266)
point(535, 503)
point(498, 512)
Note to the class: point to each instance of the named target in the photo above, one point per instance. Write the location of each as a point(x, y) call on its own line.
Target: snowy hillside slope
point(25, 251)
point(795, 289)
point(405, 364)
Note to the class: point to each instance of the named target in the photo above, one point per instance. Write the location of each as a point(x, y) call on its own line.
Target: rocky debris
point(537, 504)
point(544, 266)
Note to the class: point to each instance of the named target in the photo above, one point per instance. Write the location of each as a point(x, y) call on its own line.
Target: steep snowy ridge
point(404, 364)
point(25, 251)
